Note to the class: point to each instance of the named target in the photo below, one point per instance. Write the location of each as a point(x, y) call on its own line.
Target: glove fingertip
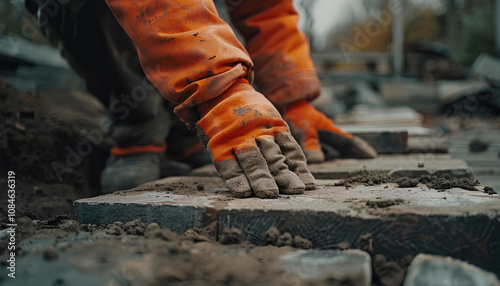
point(234, 178)
point(309, 180)
point(366, 151)
point(267, 193)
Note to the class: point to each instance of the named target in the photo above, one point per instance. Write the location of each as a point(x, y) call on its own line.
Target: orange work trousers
point(192, 56)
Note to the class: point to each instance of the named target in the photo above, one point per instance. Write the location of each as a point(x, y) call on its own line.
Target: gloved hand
point(312, 129)
point(251, 145)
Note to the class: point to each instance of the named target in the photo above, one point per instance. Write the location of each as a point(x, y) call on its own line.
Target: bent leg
point(187, 51)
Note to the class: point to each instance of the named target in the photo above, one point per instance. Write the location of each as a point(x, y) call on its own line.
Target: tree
point(307, 7)
point(477, 35)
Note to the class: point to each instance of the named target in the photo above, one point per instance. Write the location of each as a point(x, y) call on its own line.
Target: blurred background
point(374, 42)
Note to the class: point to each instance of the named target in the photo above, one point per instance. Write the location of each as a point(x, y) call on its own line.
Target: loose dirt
point(407, 182)
point(389, 273)
point(478, 145)
point(141, 254)
point(447, 182)
point(443, 182)
point(381, 203)
point(365, 243)
point(48, 175)
point(366, 178)
point(137, 253)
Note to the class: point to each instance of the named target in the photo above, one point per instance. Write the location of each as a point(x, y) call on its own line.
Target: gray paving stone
point(350, 267)
point(455, 222)
point(386, 142)
point(427, 144)
point(412, 165)
point(431, 270)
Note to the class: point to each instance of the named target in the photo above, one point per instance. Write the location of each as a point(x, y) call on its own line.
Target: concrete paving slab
point(456, 222)
point(386, 142)
point(434, 270)
point(349, 266)
point(409, 165)
point(167, 207)
point(379, 117)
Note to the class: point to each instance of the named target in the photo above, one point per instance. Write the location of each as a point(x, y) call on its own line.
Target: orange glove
point(312, 129)
point(251, 145)
point(285, 74)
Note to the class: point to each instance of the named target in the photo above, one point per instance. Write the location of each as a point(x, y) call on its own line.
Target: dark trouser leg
point(100, 51)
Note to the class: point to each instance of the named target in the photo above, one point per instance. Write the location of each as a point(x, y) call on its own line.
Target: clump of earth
point(478, 145)
point(447, 182)
point(366, 178)
point(443, 182)
point(274, 237)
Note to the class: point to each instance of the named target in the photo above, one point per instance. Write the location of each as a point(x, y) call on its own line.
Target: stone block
point(412, 165)
point(350, 267)
point(431, 270)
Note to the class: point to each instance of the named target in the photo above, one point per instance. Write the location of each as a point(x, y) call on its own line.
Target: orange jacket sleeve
point(284, 71)
point(186, 50)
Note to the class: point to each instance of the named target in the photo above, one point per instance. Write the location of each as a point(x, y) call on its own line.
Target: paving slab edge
point(392, 233)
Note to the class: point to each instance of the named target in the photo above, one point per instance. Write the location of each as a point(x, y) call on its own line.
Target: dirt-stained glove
point(251, 145)
point(313, 129)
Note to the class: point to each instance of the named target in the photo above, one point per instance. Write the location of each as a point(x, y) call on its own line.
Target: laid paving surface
point(314, 265)
point(411, 165)
point(455, 222)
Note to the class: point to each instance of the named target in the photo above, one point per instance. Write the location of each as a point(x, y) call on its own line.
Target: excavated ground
point(54, 249)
